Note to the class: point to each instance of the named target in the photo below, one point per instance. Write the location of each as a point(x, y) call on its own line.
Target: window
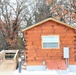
point(50, 41)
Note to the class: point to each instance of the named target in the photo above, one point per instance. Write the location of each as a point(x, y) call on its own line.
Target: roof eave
point(45, 21)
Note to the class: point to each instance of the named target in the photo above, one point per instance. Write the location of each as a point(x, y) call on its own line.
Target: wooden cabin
point(45, 43)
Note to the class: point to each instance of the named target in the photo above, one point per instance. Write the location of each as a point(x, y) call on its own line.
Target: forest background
point(17, 14)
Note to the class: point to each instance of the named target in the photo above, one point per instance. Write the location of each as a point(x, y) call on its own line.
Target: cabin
point(50, 44)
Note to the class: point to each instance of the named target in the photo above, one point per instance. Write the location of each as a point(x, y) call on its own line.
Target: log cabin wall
point(35, 54)
point(75, 46)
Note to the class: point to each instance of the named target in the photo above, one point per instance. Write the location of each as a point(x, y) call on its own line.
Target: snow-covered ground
point(47, 72)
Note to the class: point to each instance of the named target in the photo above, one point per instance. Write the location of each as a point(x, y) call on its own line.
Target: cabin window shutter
point(50, 41)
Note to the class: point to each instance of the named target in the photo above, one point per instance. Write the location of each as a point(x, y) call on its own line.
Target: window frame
point(50, 47)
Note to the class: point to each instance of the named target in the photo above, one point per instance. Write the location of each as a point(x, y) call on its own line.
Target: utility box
point(66, 52)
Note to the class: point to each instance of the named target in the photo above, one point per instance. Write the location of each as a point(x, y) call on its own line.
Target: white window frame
point(50, 41)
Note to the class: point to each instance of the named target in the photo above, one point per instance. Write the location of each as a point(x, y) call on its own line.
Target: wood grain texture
point(34, 42)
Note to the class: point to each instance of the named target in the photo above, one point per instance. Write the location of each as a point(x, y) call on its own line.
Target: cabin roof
point(49, 19)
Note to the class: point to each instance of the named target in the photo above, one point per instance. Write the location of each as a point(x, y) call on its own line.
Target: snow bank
point(47, 72)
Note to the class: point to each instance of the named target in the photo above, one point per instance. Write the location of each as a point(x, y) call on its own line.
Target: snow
point(47, 72)
point(35, 72)
point(13, 1)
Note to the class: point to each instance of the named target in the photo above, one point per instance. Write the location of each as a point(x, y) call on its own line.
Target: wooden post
point(19, 65)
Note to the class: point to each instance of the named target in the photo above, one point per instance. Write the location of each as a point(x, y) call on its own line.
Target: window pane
point(50, 38)
point(50, 45)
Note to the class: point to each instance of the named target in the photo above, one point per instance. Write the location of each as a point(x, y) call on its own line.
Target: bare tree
point(63, 10)
point(10, 21)
point(17, 15)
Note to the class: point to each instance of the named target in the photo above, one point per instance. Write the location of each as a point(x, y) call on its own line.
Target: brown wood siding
point(35, 55)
